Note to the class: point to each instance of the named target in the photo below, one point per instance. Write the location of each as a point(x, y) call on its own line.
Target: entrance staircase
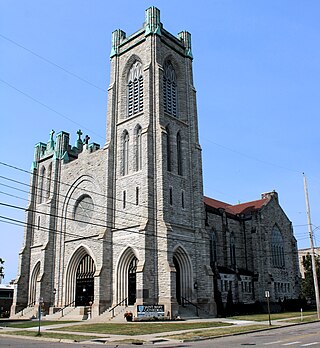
point(29, 312)
point(70, 313)
point(116, 317)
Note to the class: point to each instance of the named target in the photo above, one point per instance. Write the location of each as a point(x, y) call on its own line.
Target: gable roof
point(243, 208)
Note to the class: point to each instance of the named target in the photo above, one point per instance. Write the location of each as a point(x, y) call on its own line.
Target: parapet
point(60, 147)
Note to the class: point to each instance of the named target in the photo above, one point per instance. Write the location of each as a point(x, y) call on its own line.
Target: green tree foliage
point(307, 287)
point(1, 268)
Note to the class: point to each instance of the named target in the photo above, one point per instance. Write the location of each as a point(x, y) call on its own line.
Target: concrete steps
point(26, 313)
point(70, 313)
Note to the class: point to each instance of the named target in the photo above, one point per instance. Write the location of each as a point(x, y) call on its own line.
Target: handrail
point(31, 304)
point(118, 304)
point(197, 307)
point(67, 305)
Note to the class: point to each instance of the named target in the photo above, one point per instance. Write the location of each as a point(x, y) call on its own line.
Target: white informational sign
point(150, 311)
point(267, 294)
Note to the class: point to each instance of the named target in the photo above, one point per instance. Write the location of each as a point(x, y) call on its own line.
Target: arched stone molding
point(33, 288)
point(186, 274)
point(72, 266)
point(122, 270)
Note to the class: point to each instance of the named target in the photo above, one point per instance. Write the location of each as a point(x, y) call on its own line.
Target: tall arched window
point(179, 153)
point(125, 153)
point(168, 149)
point(49, 180)
point(213, 249)
point(135, 89)
point(277, 247)
point(232, 250)
point(138, 148)
point(169, 89)
point(41, 184)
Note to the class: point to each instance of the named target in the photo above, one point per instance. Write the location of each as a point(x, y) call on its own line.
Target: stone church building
point(126, 224)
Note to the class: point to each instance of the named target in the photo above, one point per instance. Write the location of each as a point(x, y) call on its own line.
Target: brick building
point(127, 224)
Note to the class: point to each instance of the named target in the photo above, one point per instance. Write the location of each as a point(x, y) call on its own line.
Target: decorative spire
point(117, 37)
point(152, 22)
point(51, 141)
point(185, 37)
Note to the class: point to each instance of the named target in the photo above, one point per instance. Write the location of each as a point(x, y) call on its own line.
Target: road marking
point(291, 343)
point(266, 344)
point(309, 344)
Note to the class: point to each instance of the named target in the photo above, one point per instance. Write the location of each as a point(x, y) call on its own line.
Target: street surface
point(307, 335)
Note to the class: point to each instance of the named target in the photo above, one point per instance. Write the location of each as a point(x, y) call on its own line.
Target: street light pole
point(313, 260)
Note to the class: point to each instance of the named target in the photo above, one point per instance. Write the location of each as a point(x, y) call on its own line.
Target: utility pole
point(313, 260)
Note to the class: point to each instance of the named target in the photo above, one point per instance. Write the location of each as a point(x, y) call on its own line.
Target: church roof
point(243, 208)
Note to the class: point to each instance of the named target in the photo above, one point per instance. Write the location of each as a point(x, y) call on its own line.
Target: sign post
point(267, 295)
point(39, 315)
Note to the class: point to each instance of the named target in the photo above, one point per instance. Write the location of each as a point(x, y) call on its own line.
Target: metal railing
point(118, 304)
point(66, 306)
point(184, 301)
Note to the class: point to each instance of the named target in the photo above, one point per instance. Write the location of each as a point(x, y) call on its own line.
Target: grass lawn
point(274, 316)
point(47, 334)
point(141, 328)
point(305, 319)
point(28, 324)
point(191, 336)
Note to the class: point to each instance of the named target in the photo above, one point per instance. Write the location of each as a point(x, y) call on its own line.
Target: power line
point(48, 107)
point(54, 64)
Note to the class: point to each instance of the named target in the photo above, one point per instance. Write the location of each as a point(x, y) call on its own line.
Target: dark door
point(132, 282)
point(85, 282)
point(178, 281)
point(84, 292)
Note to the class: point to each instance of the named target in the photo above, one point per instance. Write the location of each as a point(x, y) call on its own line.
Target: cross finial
point(86, 139)
point(79, 134)
point(51, 134)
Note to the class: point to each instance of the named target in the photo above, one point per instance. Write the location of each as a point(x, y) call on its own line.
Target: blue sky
point(256, 71)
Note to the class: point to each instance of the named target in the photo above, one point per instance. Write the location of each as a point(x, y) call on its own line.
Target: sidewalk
point(146, 338)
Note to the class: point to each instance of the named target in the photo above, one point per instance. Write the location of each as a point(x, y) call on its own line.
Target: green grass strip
point(274, 316)
point(133, 329)
point(29, 324)
point(194, 335)
point(46, 334)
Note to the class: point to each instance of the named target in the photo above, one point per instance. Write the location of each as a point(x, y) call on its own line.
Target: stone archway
point(126, 277)
point(79, 289)
point(184, 276)
point(33, 296)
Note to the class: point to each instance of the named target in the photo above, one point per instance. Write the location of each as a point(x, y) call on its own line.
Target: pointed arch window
point(169, 89)
point(138, 148)
point(213, 249)
point(49, 180)
point(179, 153)
point(277, 248)
point(232, 250)
point(41, 184)
point(125, 153)
point(168, 149)
point(135, 89)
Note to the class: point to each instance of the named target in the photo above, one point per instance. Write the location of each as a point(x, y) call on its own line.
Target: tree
point(1, 268)
point(307, 288)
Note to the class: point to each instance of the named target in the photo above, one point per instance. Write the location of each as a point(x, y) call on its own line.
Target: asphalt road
point(307, 335)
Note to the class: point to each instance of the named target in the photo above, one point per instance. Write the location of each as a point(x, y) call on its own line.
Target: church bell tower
point(155, 185)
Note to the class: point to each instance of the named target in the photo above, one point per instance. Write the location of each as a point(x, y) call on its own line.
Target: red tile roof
point(243, 208)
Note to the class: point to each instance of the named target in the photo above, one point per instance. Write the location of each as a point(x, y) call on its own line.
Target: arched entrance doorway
point(85, 282)
point(132, 281)
point(33, 298)
point(184, 278)
point(178, 281)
